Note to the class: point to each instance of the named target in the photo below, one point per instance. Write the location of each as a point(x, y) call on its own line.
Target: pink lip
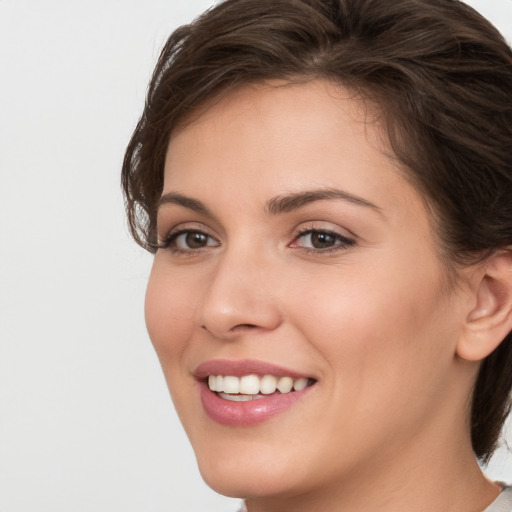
point(239, 368)
point(248, 413)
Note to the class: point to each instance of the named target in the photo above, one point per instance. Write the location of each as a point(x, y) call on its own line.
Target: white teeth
point(268, 385)
point(232, 385)
point(285, 384)
point(239, 398)
point(299, 384)
point(215, 383)
point(219, 383)
point(250, 386)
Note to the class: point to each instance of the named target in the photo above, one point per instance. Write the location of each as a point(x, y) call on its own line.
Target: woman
point(326, 186)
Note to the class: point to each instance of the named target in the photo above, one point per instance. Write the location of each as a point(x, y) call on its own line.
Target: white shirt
point(503, 502)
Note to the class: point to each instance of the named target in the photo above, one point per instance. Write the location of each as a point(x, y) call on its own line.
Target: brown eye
point(322, 240)
point(189, 241)
point(195, 240)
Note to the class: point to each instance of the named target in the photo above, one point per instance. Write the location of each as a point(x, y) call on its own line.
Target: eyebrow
point(277, 205)
point(185, 201)
point(288, 202)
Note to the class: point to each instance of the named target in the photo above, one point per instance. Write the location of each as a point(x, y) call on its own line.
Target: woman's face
point(293, 248)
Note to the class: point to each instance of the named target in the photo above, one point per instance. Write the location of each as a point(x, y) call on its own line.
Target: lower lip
point(227, 412)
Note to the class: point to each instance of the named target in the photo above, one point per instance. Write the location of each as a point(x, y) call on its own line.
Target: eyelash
point(341, 242)
point(170, 241)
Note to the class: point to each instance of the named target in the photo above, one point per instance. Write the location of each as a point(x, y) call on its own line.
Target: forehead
point(261, 92)
point(278, 124)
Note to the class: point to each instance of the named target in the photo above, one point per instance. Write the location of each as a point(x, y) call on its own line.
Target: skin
point(374, 321)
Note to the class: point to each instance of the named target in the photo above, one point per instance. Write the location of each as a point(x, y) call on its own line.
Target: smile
point(251, 387)
point(244, 393)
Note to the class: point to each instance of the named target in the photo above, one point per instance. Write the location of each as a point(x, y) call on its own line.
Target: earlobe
point(490, 318)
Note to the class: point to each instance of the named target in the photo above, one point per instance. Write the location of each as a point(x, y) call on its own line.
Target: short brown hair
point(442, 76)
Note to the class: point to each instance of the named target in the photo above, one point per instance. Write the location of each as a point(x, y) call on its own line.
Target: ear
point(490, 318)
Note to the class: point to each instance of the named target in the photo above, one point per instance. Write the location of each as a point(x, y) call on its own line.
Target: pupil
point(196, 240)
point(322, 240)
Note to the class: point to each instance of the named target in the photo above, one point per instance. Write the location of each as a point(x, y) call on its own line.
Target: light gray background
point(86, 424)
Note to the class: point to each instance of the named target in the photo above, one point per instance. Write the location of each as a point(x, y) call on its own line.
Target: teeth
point(239, 398)
point(231, 385)
point(285, 384)
point(299, 384)
point(216, 383)
point(268, 385)
point(249, 386)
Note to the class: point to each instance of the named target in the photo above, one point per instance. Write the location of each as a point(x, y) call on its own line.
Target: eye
point(321, 240)
point(188, 240)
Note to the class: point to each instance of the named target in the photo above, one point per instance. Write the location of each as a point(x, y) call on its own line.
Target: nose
point(239, 298)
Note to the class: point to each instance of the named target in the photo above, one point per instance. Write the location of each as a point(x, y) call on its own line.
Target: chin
point(246, 473)
point(247, 482)
point(235, 484)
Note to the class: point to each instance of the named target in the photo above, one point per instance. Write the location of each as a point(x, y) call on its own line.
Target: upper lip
point(241, 367)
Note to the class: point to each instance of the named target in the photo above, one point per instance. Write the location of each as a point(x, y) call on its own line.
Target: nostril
point(231, 333)
point(234, 328)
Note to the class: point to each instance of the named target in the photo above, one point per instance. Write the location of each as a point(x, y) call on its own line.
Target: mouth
point(245, 393)
point(253, 387)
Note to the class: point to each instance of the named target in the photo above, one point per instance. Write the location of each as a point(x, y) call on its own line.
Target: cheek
point(169, 312)
point(379, 327)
